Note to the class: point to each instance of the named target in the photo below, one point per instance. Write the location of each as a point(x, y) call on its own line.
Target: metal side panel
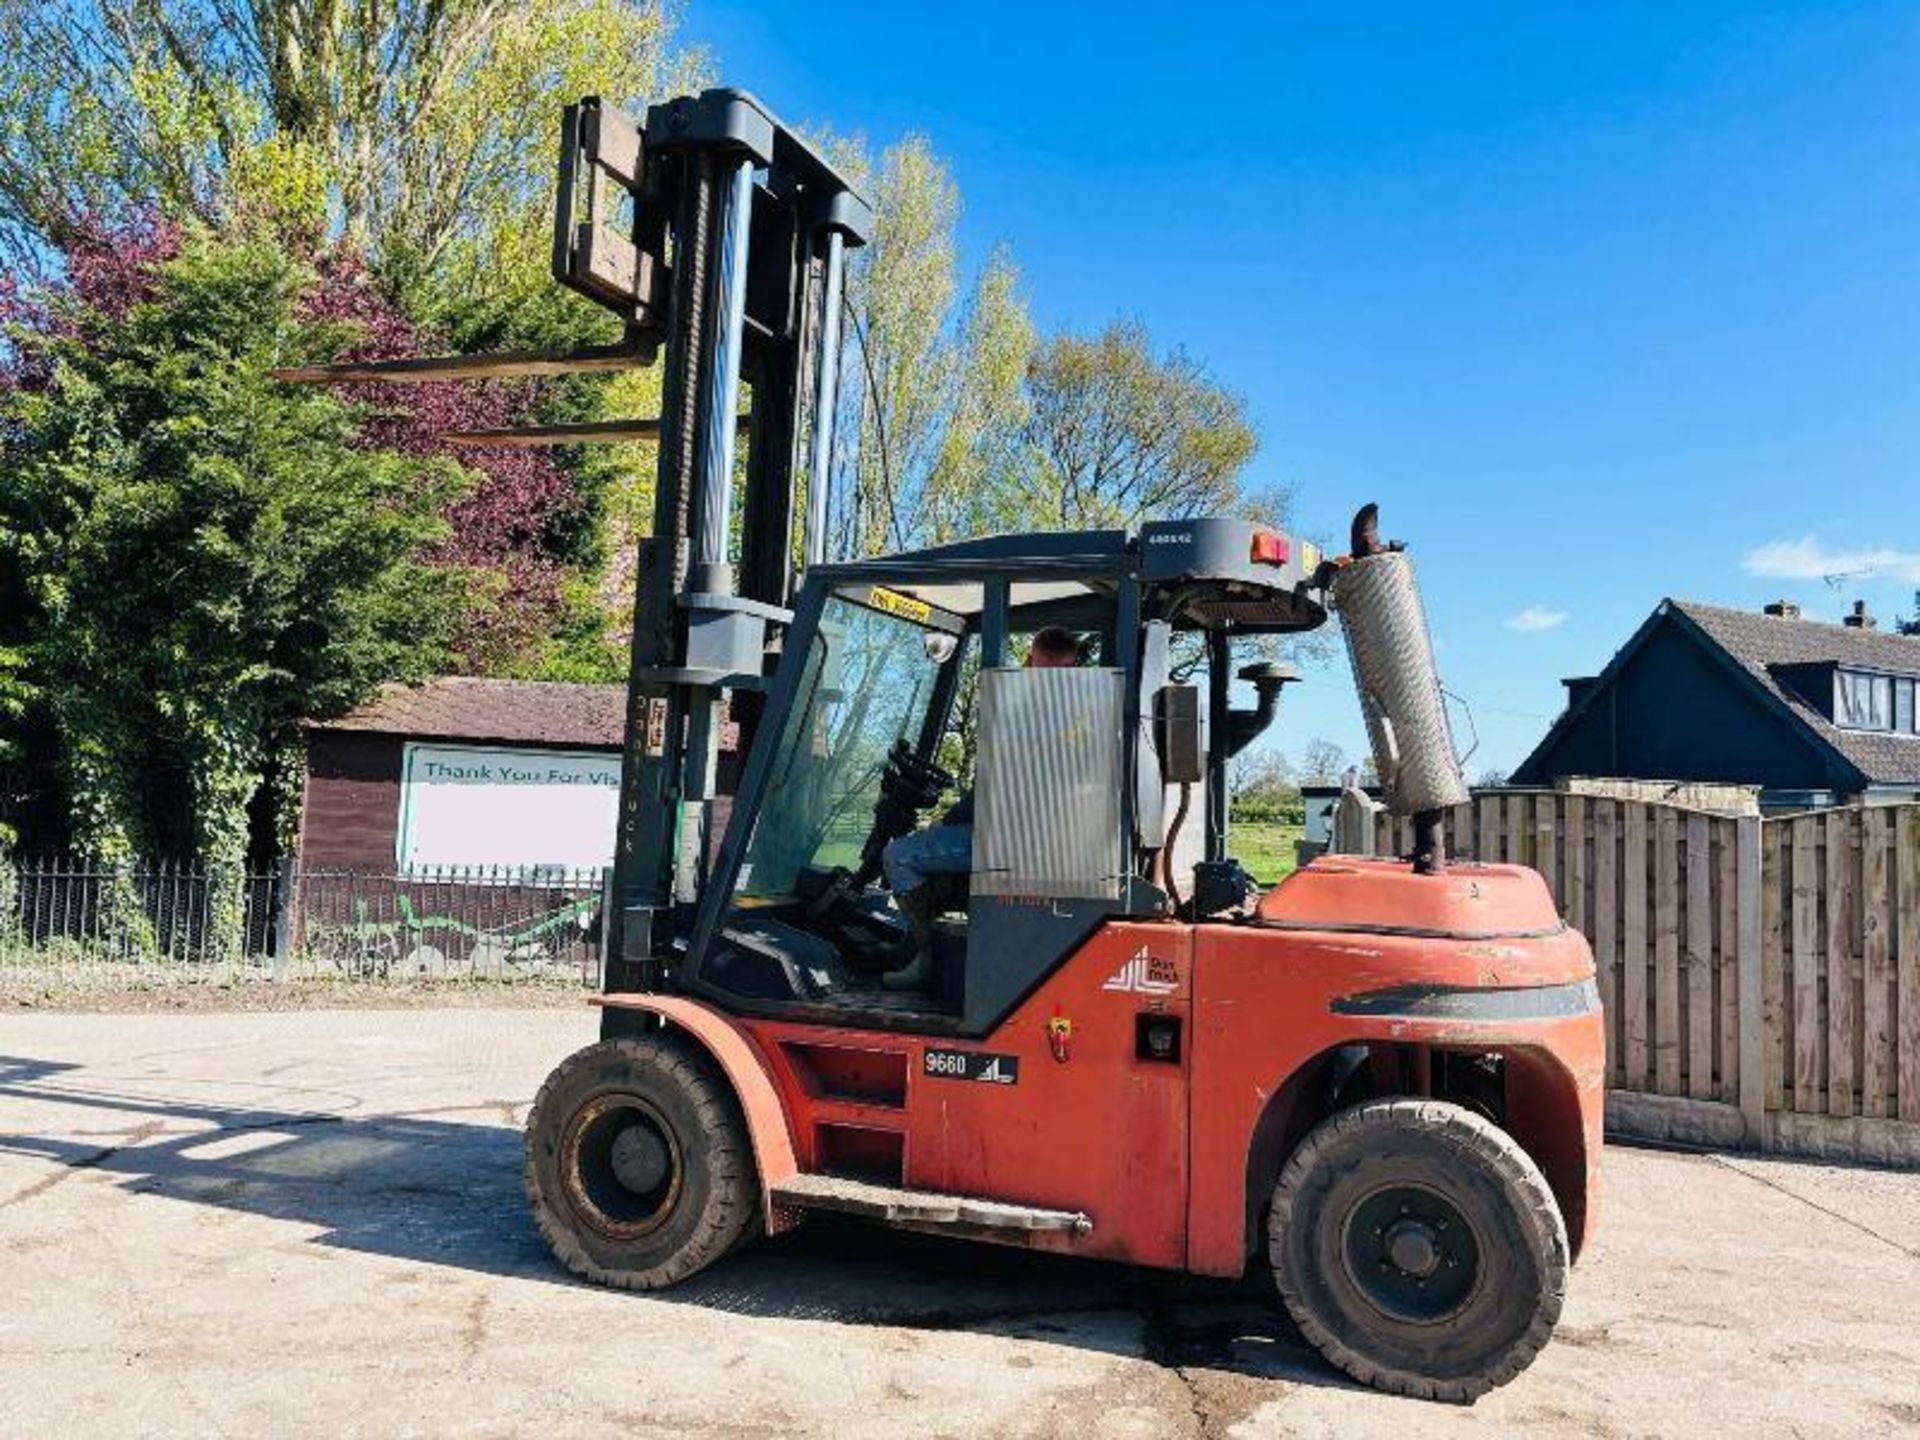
point(1047, 811)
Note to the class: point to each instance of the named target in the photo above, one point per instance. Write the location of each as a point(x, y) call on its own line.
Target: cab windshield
point(868, 680)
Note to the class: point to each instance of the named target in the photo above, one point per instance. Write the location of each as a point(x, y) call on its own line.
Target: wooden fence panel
point(1849, 880)
point(1840, 895)
point(1906, 955)
point(1773, 963)
point(1780, 953)
point(1546, 847)
point(1605, 934)
point(1666, 951)
point(1751, 1002)
point(1575, 848)
point(1635, 957)
point(1876, 1020)
point(1726, 895)
point(1699, 957)
point(1809, 1037)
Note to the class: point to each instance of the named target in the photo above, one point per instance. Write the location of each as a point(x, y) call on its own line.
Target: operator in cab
point(947, 848)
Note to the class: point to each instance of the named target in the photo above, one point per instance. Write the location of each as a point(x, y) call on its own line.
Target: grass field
point(1266, 849)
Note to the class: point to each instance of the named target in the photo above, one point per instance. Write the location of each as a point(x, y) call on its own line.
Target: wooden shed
point(378, 779)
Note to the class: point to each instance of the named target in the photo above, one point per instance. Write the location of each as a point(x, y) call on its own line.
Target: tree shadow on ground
point(444, 1188)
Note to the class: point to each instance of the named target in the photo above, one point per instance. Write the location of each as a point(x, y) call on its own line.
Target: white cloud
point(1808, 559)
point(1536, 618)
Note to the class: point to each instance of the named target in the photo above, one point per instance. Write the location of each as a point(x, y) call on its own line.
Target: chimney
point(1783, 610)
point(1859, 619)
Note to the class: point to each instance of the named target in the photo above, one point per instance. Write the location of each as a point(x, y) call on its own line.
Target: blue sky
point(1601, 303)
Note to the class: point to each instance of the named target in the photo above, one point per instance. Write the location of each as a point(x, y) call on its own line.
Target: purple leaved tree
point(500, 529)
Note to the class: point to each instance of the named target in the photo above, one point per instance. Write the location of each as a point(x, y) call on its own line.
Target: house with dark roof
point(1812, 713)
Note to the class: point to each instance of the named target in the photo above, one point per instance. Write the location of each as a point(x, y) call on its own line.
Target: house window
point(1862, 701)
point(1904, 719)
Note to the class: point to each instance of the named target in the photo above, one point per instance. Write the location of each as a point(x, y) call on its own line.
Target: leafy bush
point(1270, 812)
point(193, 556)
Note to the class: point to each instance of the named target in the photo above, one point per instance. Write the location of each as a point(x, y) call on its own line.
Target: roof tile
point(1757, 642)
point(455, 707)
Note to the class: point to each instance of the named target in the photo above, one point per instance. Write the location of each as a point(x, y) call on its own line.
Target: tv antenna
point(1840, 578)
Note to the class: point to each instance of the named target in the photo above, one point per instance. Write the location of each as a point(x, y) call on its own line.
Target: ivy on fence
point(74, 919)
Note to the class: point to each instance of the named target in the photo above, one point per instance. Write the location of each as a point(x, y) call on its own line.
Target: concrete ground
point(311, 1223)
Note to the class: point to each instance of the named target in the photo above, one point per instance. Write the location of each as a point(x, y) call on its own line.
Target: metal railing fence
point(74, 919)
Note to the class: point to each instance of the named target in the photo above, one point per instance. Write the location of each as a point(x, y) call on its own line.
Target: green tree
point(206, 556)
point(931, 377)
point(1322, 763)
point(957, 420)
point(1116, 434)
point(13, 706)
point(420, 130)
point(1262, 785)
point(14, 696)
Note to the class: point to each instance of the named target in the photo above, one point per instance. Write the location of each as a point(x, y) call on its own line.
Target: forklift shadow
point(20, 1070)
point(842, 1271)
point(443, 1188)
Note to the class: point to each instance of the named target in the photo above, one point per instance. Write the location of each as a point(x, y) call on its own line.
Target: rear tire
point(1419, 1248)
point(638, 1164)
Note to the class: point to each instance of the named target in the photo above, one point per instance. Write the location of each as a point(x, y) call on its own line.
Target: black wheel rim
point(621, 1165)
point(1411, 1254)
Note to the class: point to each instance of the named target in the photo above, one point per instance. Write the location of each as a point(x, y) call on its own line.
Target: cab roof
point(1208, 562)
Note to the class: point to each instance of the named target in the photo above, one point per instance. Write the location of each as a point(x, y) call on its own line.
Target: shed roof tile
point(529, 712)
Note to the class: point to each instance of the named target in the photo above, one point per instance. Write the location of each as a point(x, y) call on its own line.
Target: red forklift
point(1381, 1078)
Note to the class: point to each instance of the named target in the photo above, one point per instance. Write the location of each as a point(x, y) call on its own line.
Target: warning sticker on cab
point(972, 1065)
point(892, 602)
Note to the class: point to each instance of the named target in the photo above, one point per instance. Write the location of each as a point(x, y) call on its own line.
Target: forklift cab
point(1097, 788)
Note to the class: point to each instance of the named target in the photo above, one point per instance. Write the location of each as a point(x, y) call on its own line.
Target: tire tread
point(733, 1204)
point(1474, 1135)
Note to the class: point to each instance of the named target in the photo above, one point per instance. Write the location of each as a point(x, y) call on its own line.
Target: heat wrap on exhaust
point(1378, 601)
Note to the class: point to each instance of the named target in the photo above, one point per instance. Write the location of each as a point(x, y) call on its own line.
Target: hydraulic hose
point(1173, 835)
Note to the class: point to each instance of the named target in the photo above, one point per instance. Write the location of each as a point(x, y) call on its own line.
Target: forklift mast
point(719, 237)
point(733, 268)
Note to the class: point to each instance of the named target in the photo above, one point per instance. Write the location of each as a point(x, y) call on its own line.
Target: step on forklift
point(1382, 1078)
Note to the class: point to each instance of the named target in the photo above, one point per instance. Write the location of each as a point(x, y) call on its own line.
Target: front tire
point(638, 1164)
point(1419, 1248)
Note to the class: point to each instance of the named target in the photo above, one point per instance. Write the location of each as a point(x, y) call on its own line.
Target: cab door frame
point(996, 615)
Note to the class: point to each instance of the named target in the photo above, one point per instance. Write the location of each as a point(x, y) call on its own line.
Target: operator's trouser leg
point(910, 862)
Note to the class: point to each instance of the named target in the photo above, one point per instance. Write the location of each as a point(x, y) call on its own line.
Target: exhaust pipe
point(1378, 601)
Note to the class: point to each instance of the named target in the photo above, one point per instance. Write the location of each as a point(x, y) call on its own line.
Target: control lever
point(908, 785)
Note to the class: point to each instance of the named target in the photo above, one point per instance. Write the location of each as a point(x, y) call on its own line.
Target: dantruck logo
point(1144, 974)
